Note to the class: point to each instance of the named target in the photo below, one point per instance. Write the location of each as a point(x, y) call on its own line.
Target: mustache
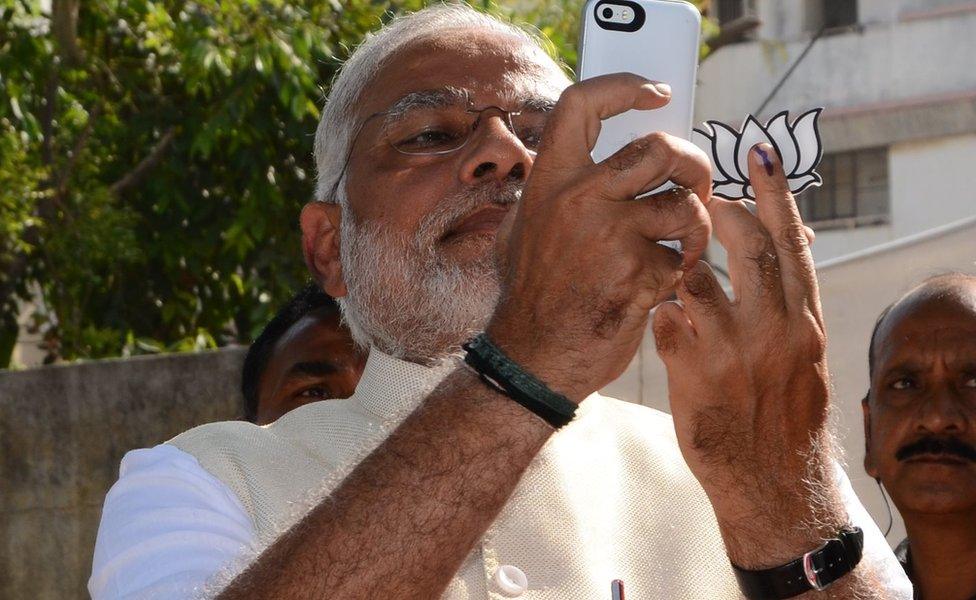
point(937, 445)
point(451, 210)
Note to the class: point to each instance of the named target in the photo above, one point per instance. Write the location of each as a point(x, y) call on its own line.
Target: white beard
point(406, 298)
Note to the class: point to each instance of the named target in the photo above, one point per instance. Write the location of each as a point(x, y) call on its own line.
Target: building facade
point(897, 81)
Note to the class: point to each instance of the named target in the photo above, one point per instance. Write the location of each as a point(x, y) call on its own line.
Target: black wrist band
point(505, 376)
point(815, 570)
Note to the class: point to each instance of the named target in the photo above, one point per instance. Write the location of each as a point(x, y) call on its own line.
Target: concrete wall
point(886, 62)
point(873, 11)
point(63, 431)
point(795, 19)
point(933, 182)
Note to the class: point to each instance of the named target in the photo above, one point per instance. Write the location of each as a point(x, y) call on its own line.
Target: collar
point(904, 556)
point(389, 386)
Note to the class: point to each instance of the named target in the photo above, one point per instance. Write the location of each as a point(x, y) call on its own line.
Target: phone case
point(663, 48)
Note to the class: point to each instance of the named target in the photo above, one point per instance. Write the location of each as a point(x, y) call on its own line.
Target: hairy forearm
point(863, 583)
point(766, 543)
point(403, 521)
point(779, 523)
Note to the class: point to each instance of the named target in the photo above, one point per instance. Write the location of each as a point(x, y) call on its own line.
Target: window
point(831, 14)
point(854, 192)
point(729, 10)
point(733, 10)
point(839, 13)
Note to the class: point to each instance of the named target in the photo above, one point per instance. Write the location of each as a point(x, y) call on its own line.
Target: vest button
point(511, 581)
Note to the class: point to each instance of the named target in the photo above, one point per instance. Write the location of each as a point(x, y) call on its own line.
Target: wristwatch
point(815, 570)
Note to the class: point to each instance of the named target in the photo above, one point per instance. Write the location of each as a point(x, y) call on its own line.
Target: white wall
point(781, 19)
point(871, 11)
point(789, 20)
point(930, 182)
point(888, 62)
point(841, 242)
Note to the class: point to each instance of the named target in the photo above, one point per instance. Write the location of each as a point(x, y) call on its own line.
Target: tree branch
point(64, 23)
point(64, 176)
point(136, 175)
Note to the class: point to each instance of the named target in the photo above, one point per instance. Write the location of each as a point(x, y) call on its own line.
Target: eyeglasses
point(439, 130)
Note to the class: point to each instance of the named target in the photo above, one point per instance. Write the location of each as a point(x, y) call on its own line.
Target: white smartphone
point(656, 39)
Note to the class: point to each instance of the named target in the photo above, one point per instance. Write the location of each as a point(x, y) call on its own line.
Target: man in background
point(305, 354)
point(920, 430)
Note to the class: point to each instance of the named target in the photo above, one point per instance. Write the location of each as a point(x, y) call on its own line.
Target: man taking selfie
point(499, 278)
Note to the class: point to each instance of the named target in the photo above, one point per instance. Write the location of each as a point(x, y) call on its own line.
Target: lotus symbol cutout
point(798, 146)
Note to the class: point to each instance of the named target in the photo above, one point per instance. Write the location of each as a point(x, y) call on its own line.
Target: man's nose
point(942, 411)
point(494, 151)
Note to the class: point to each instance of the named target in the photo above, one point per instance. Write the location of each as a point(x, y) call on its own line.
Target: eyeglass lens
point(439, 130)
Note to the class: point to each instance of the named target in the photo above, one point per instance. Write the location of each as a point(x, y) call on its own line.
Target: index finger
point(574, 125)
point(778, 213)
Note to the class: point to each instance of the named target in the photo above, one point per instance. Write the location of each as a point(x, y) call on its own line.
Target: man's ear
point(869, 465)
point(320, 245)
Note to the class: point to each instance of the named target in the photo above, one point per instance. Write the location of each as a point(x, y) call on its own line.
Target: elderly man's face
point(921, 413)
point(399, 191)
point(417, 240)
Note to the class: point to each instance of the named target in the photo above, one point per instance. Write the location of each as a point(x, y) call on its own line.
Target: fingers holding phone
point(582, 268)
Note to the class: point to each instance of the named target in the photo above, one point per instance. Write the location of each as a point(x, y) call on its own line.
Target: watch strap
point(815, 570)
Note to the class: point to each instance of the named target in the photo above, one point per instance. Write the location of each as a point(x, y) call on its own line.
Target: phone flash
point(616, 13)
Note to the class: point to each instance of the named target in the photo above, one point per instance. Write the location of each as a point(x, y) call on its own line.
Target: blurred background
point(154, 157)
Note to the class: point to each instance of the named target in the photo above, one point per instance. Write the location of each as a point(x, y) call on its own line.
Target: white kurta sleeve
point(167, 528)
point(876, 548)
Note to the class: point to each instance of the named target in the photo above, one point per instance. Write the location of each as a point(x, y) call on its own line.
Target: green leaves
point(155, 155)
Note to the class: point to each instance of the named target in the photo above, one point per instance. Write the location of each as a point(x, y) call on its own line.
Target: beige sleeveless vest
point(608, 497)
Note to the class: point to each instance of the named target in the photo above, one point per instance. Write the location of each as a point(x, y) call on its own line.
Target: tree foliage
point(154, 156)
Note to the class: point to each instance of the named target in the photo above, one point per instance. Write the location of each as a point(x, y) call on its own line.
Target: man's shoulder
point(269, 466)
point(291, 427)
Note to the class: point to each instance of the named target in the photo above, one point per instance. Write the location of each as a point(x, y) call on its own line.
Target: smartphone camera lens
point(619, 15)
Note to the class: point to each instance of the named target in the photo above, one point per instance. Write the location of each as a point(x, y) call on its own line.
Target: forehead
point(927, 327)
point(495, 68)
point(309, 334)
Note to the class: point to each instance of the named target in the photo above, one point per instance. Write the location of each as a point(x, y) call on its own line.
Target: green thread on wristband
point(505, 376)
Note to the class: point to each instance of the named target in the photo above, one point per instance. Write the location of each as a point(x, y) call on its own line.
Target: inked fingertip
point(766, 156)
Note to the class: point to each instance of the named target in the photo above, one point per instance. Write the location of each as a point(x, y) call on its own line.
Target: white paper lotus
point(798, 145)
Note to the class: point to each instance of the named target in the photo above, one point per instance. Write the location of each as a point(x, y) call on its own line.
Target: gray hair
point(338, 123)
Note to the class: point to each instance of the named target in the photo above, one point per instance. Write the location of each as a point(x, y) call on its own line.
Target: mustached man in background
point(920, 427)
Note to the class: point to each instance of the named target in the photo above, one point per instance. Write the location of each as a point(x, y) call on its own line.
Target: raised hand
point(581, 264)
point(748, 381)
